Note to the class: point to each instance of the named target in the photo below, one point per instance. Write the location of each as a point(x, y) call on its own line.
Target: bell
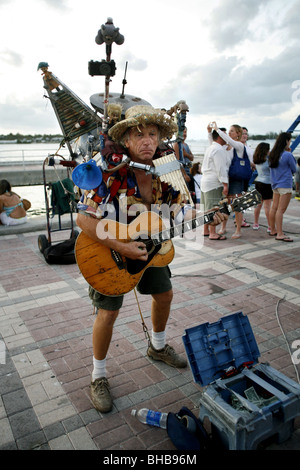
point(87, 175)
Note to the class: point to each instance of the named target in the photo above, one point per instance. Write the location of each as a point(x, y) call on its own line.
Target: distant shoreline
point(30, 138)
point(56, 138)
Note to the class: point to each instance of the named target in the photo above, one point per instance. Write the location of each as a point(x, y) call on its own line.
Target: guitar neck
point(186, 226)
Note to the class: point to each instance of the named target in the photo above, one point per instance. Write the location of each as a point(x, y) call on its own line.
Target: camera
point(102, 68)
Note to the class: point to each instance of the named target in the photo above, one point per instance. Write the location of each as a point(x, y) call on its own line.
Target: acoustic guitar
point(112, 274)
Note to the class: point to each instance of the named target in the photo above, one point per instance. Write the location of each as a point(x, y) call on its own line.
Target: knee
point(107, 317)
point(164, 298)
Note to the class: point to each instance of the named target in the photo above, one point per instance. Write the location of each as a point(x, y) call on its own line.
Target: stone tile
point(81, 440)
point(61, 443)
point(24, 423)
point(47, 324)
point(6, 435)
point(16, 401)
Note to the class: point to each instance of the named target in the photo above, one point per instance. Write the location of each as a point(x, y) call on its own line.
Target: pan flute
point(169, 170)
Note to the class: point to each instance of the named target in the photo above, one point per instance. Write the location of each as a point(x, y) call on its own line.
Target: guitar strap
point(145, 329)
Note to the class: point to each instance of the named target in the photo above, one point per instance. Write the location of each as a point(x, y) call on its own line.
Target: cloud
point(230, 22)
point(11, 57)
point(59, 4)
point(227, 86)
point(34, 117)
point(134, 63)
point(291, 21)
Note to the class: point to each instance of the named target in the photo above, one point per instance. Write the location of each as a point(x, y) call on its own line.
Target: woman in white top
point(236, 187)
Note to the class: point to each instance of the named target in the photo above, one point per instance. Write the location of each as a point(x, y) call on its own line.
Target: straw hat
point(144, 115)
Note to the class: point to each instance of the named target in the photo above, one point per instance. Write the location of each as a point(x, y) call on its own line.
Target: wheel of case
point(42, 243)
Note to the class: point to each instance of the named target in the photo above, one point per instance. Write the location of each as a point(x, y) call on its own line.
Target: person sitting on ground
point(140, 134)
point(12, 210)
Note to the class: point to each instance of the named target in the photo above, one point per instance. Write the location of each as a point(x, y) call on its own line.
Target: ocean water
point(35, 194)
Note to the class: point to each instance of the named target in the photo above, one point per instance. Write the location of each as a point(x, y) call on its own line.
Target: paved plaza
point(46, 321)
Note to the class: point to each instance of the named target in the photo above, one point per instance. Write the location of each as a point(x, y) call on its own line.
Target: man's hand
point(219, 217)
point(134, 250)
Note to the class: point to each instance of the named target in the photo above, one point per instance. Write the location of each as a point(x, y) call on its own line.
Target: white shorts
point(282, 191)
point(6, 220)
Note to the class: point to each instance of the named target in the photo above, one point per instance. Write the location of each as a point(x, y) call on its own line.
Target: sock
point(158, 339)
point(99, 369)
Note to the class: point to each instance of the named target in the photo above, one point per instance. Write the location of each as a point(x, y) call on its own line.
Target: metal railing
point(30, 156)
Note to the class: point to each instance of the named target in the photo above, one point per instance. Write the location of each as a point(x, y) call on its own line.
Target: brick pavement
point(46, 323)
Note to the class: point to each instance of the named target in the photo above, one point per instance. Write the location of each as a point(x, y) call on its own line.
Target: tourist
point(297, 179)
point(238, 183)
point(262, 183)
point(214, 182)
point(283, 166)
point(12, 207)
point(187, 157)
point(195, 185)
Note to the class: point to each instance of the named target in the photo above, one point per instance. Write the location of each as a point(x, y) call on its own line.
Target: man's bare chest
point(144, 183)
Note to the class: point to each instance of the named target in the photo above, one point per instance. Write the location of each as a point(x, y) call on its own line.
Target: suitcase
point(246, 402)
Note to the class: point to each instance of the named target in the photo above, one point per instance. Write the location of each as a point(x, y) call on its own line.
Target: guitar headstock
point(249, 199)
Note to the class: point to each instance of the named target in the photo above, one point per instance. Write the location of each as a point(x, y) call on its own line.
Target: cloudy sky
point(233, 61)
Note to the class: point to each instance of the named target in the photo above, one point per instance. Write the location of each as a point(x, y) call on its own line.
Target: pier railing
point(32, 156)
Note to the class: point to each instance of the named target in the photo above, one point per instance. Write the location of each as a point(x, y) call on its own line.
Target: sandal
point(285, 239)
point(220, 237)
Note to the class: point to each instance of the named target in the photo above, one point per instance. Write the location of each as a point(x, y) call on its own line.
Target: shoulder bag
point(240, 168)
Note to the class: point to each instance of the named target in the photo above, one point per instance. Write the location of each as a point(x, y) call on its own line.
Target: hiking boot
point(167, 355)
point(100, 395)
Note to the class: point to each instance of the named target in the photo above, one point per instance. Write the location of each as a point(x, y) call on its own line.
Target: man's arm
point(96, 230)
point(188, 155)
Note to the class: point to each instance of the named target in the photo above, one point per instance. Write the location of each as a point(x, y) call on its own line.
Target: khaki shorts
point(210, 199)
point(153, 281)
point(282, 191)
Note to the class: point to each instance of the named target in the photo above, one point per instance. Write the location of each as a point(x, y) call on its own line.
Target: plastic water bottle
point(153, 418)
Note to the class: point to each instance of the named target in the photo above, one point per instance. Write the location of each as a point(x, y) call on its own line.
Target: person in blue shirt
point(283, 166)
point(297, 179)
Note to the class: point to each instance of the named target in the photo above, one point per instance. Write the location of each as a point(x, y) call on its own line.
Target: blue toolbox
point(245, 402)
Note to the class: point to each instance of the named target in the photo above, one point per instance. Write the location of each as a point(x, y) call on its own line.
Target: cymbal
point(127, 101)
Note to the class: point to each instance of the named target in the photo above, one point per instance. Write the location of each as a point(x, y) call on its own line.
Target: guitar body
point(112, 274)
